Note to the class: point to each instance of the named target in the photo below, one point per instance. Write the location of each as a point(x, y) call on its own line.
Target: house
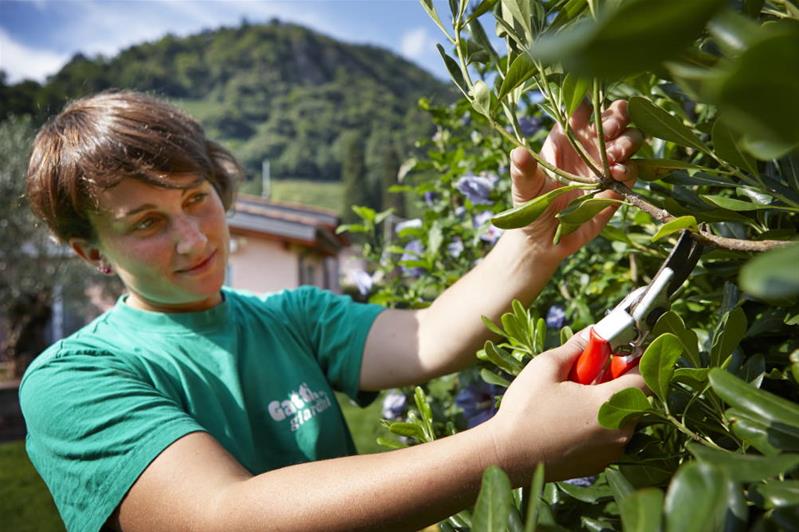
point(278, 245)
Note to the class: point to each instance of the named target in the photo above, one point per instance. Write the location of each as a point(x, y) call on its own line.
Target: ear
point(87, 251)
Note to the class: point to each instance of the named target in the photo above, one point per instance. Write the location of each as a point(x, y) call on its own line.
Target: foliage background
point(716, 443)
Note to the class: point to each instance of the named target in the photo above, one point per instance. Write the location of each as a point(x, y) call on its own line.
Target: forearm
point(406, 489)
point(450, 330)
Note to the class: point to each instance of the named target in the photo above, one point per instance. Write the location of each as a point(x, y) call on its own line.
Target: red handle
point(592, 360)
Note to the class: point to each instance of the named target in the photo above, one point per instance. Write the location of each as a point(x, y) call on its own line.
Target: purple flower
point(556, 317)
point(413, 223)
point(413, 250)
point(583, 482)
point(477, 402)
point(491, 234)
point(363, 281)
point(394, 404)
point(529, 126)
point(430, 198)
point(455, 248)
point(477, 188)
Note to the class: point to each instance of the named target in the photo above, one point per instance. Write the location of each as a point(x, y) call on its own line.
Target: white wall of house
point(261, 265)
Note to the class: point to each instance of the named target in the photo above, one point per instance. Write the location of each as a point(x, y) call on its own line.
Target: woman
point(193, 406)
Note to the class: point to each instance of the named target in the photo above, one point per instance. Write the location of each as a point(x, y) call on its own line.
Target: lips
point(199, 266)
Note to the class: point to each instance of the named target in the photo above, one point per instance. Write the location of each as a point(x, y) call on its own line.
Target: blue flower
point(556, 317)
point(490, 234)
point(455, 248)
point(394, 404)
point(413, 223)
point(583, 482)
point(529, 126)
point(477, 188)
point(363, 281)
point(413, 250)
point(477, 400)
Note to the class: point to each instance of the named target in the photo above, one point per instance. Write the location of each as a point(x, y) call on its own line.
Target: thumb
point(631, 379)
point(561, 359)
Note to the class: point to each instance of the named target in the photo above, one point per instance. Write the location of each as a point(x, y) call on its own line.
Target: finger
point(526, 181)
point(628, 380)
point(624, 146)
point(581, 117)
point(627, 173)
point(615, 119)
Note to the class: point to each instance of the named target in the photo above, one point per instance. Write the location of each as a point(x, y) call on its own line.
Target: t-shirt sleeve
point(337, 328)
point(93, 428)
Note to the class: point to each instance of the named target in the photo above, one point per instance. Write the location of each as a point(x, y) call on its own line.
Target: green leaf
point(654, 169)
point(727, 145)
point(642, 511)
point(520, 13)
point(431, 12)
point(619, 484)
point(698, 499)
point(733, 32)
point(671, 322)
point(584, 209)
point(573, 91)
point(499, 358)
point(521, 69)
point(536, 488)
point(770, 125)
point(622, 406)
point(674, 226)
point(777, 494)
point(771, 439)
point(492, 378)
point(528, 212)
point(658, 123)
point(729, 333)
point(588, 494)
point(772, 275)
point(453, 69)
point(402, 428)
point(745, 467)
point(747, 398)
point(493, 502)
point(732, 204)
point(627, 37)
point(483, 7)
point(492, 327)
point(658, 361)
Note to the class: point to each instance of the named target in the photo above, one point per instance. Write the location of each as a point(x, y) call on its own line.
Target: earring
point(104, 268)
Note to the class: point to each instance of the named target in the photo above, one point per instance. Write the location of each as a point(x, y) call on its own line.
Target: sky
point(37, 37)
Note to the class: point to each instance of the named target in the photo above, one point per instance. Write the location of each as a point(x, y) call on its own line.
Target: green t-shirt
point(257, 373)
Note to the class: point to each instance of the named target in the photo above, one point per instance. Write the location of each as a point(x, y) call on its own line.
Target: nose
point(189, 237)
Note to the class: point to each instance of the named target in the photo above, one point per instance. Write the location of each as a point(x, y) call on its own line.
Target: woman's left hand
point(529, 180)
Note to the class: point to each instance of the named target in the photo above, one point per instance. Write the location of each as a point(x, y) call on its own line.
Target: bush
point(714, 88)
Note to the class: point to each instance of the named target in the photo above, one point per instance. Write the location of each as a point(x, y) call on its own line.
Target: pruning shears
point(614, 344)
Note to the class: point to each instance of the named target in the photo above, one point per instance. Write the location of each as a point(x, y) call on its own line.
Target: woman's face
point(169, 246)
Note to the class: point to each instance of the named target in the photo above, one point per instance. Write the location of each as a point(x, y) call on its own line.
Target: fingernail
point(584, 333)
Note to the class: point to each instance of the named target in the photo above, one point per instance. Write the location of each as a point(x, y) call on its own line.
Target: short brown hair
point(98, 141)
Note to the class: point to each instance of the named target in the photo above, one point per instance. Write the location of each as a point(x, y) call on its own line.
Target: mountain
point(273, 91)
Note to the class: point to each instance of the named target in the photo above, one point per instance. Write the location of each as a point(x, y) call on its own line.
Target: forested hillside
point(276, 91)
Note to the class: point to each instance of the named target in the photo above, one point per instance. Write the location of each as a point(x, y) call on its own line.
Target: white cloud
point(24, 62)
point(416, 43)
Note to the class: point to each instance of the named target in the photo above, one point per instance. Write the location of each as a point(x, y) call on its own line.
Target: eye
point(145, 223)
point(197, 198)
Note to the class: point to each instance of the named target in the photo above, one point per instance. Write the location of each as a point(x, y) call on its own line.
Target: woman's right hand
point(545, 417)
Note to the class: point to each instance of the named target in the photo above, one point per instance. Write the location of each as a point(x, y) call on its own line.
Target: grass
point(324, 194)
point(26, 505)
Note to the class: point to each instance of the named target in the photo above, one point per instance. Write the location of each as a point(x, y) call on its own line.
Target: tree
point(353, 173)
point(32, 266)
